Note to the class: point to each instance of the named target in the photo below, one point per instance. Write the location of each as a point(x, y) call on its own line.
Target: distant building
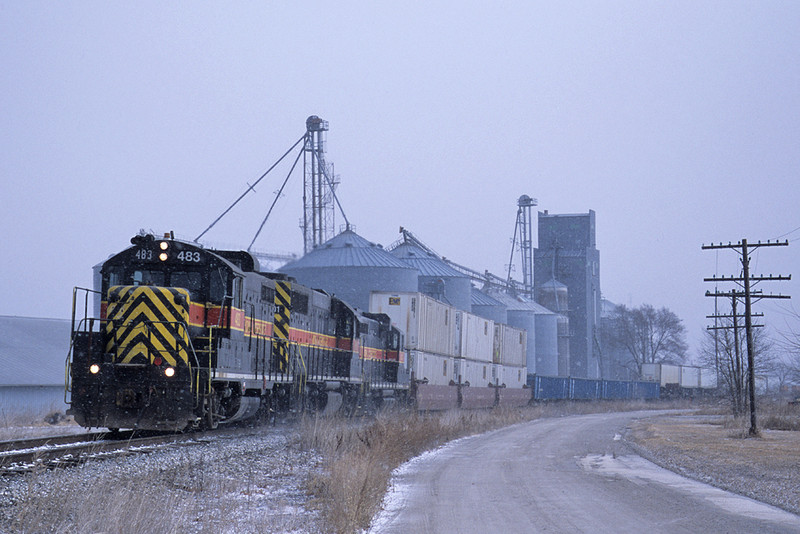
point(33, 354)
point(567, 253)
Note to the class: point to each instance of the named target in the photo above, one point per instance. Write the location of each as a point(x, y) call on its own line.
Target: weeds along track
point(22, 456)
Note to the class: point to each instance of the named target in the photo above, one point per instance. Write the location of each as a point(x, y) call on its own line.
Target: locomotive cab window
point(191, 281)
point(148, 278)
point(114, 278)
point(218, 285)
point(237, 292)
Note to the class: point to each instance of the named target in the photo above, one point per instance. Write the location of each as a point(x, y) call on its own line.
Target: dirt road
point(571, 474)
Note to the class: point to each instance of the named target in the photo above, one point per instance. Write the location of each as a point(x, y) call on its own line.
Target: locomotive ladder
point(204, 387)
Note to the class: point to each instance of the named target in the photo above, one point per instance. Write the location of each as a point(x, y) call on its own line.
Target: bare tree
point(726, 352)
point(649, 335)
point(790, 342)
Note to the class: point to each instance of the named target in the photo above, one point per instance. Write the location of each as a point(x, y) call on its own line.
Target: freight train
point(188, 337)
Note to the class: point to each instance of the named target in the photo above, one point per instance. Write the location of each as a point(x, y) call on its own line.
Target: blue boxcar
point(585, 389)
point(645, 390)
point(550, 387)
point(564, 388)
point(616, 389)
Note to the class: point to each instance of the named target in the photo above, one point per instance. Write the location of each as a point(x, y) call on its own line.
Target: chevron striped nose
point(146, 324)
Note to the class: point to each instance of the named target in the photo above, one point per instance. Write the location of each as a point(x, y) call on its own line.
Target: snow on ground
point(246, 482)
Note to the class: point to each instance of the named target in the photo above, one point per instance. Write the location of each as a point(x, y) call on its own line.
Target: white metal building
point(33, 354)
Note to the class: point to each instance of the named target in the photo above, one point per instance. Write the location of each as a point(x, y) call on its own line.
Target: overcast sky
point(677, 122)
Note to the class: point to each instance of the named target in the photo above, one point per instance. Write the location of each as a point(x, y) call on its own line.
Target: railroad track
point(21, 456)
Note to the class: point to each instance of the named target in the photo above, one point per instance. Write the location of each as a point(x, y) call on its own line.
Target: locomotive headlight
point(169, 372)
point(163, 256)
point(94, 368)
point(163, 245)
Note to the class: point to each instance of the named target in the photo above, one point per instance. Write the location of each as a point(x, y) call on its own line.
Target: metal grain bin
point(553, 296)
point(541, 325)
point(350, 267)
point(488, 307)
point(436, 278)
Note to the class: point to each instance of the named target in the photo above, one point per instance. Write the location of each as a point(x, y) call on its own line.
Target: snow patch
point(640, 471)
point(400, 484)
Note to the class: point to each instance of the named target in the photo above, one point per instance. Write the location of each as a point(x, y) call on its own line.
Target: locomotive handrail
point(68, 364)
point(85, 305)
point(304, 374)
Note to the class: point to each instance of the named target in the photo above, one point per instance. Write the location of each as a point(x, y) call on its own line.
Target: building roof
point(517, 303)
point(553, 284)
point(33, 351)
point(425, 262)
point(479, 298)
point(347, 249)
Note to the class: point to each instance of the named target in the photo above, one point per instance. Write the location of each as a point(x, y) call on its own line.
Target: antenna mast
point(524, 228)
point(319, 187)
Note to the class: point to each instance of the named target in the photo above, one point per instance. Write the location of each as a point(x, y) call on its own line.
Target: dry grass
point(21, 425)
point(720, 451)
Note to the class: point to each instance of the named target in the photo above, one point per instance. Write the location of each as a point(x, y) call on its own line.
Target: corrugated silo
point(436, 278)
point(488, 307)
point(349, 267)
point(542, 327)
point(554, 296)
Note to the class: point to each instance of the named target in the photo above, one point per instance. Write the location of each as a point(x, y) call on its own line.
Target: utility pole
point(749, 294)
point(737, 383)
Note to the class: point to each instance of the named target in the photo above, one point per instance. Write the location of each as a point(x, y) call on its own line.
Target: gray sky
point(677, 122)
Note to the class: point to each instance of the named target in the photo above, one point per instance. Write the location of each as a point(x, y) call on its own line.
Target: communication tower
point(524, 205)
point(319, 187)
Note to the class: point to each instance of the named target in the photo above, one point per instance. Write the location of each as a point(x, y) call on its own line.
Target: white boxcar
point(690, 377)
point(513, 376)
point(662, 373)
point(670, 374)
point(708, 378)
point(651, 372)
point(435, 369)
point(428, 325)
point(509, 345)
point(474, 373)
point(477, 337)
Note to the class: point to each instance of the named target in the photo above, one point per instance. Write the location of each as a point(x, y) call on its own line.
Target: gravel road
point(571, 474)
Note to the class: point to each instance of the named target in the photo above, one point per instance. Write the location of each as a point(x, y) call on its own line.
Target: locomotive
point(189, 337)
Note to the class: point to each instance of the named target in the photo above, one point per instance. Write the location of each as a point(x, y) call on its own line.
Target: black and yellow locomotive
point(190, 337)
